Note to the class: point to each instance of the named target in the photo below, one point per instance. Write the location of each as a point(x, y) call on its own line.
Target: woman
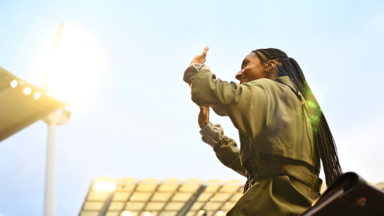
point(283, 132)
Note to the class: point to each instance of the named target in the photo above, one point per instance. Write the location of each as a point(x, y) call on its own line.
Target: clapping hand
point(204, 111)
point(202, 57)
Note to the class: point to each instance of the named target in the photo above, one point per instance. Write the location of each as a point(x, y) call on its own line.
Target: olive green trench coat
point(277, 146)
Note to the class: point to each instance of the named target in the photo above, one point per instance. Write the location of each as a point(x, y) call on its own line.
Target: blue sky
point(139, 121)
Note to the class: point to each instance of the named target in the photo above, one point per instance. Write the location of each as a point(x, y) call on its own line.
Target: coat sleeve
point(229, 154)
point(244, 104)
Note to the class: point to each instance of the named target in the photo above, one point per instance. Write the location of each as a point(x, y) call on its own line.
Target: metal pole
point(107, 203)
point(191, 201)
point(50, 172)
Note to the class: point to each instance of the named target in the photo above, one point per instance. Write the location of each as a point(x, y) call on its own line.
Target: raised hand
point(203, 116)
point(202, 57)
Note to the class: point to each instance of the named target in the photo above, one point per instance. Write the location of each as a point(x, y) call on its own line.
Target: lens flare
point(27, 90)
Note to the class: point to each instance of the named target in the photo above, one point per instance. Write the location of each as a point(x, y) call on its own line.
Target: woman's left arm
point(229, 154)
point(225, 148)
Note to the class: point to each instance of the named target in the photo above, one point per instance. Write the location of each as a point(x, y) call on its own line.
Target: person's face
point(252, 68)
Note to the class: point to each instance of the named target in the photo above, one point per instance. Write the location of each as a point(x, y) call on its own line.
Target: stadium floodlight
point(22, 109)
point(126, 213)
point(104, 186)
point(37, 95)
point(27, 90)
point(69, 65)
point(14, 83)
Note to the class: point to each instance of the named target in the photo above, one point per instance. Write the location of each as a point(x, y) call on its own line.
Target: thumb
point(205, 51)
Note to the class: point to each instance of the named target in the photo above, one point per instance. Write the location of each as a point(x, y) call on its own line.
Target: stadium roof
point(152, 197)
point(22, 104)
point(171, 197)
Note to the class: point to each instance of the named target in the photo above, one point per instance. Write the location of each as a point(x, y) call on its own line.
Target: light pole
point(56, 118)
point(70, 59)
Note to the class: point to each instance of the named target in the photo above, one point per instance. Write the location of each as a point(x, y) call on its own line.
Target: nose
point(239, 75)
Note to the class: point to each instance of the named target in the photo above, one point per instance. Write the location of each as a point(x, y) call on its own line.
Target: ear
point(273, 63)
point(273, 74)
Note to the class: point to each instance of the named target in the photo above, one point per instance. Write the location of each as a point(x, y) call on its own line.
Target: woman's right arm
point(245, 104)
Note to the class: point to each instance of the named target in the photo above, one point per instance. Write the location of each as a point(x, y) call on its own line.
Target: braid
point(325, 144)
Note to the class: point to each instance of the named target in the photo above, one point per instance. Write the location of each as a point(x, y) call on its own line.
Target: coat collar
point(285, 80)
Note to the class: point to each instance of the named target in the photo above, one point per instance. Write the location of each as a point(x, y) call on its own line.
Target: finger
point(205, 50)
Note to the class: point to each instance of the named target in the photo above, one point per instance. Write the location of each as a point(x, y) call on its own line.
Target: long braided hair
point(323, 138)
